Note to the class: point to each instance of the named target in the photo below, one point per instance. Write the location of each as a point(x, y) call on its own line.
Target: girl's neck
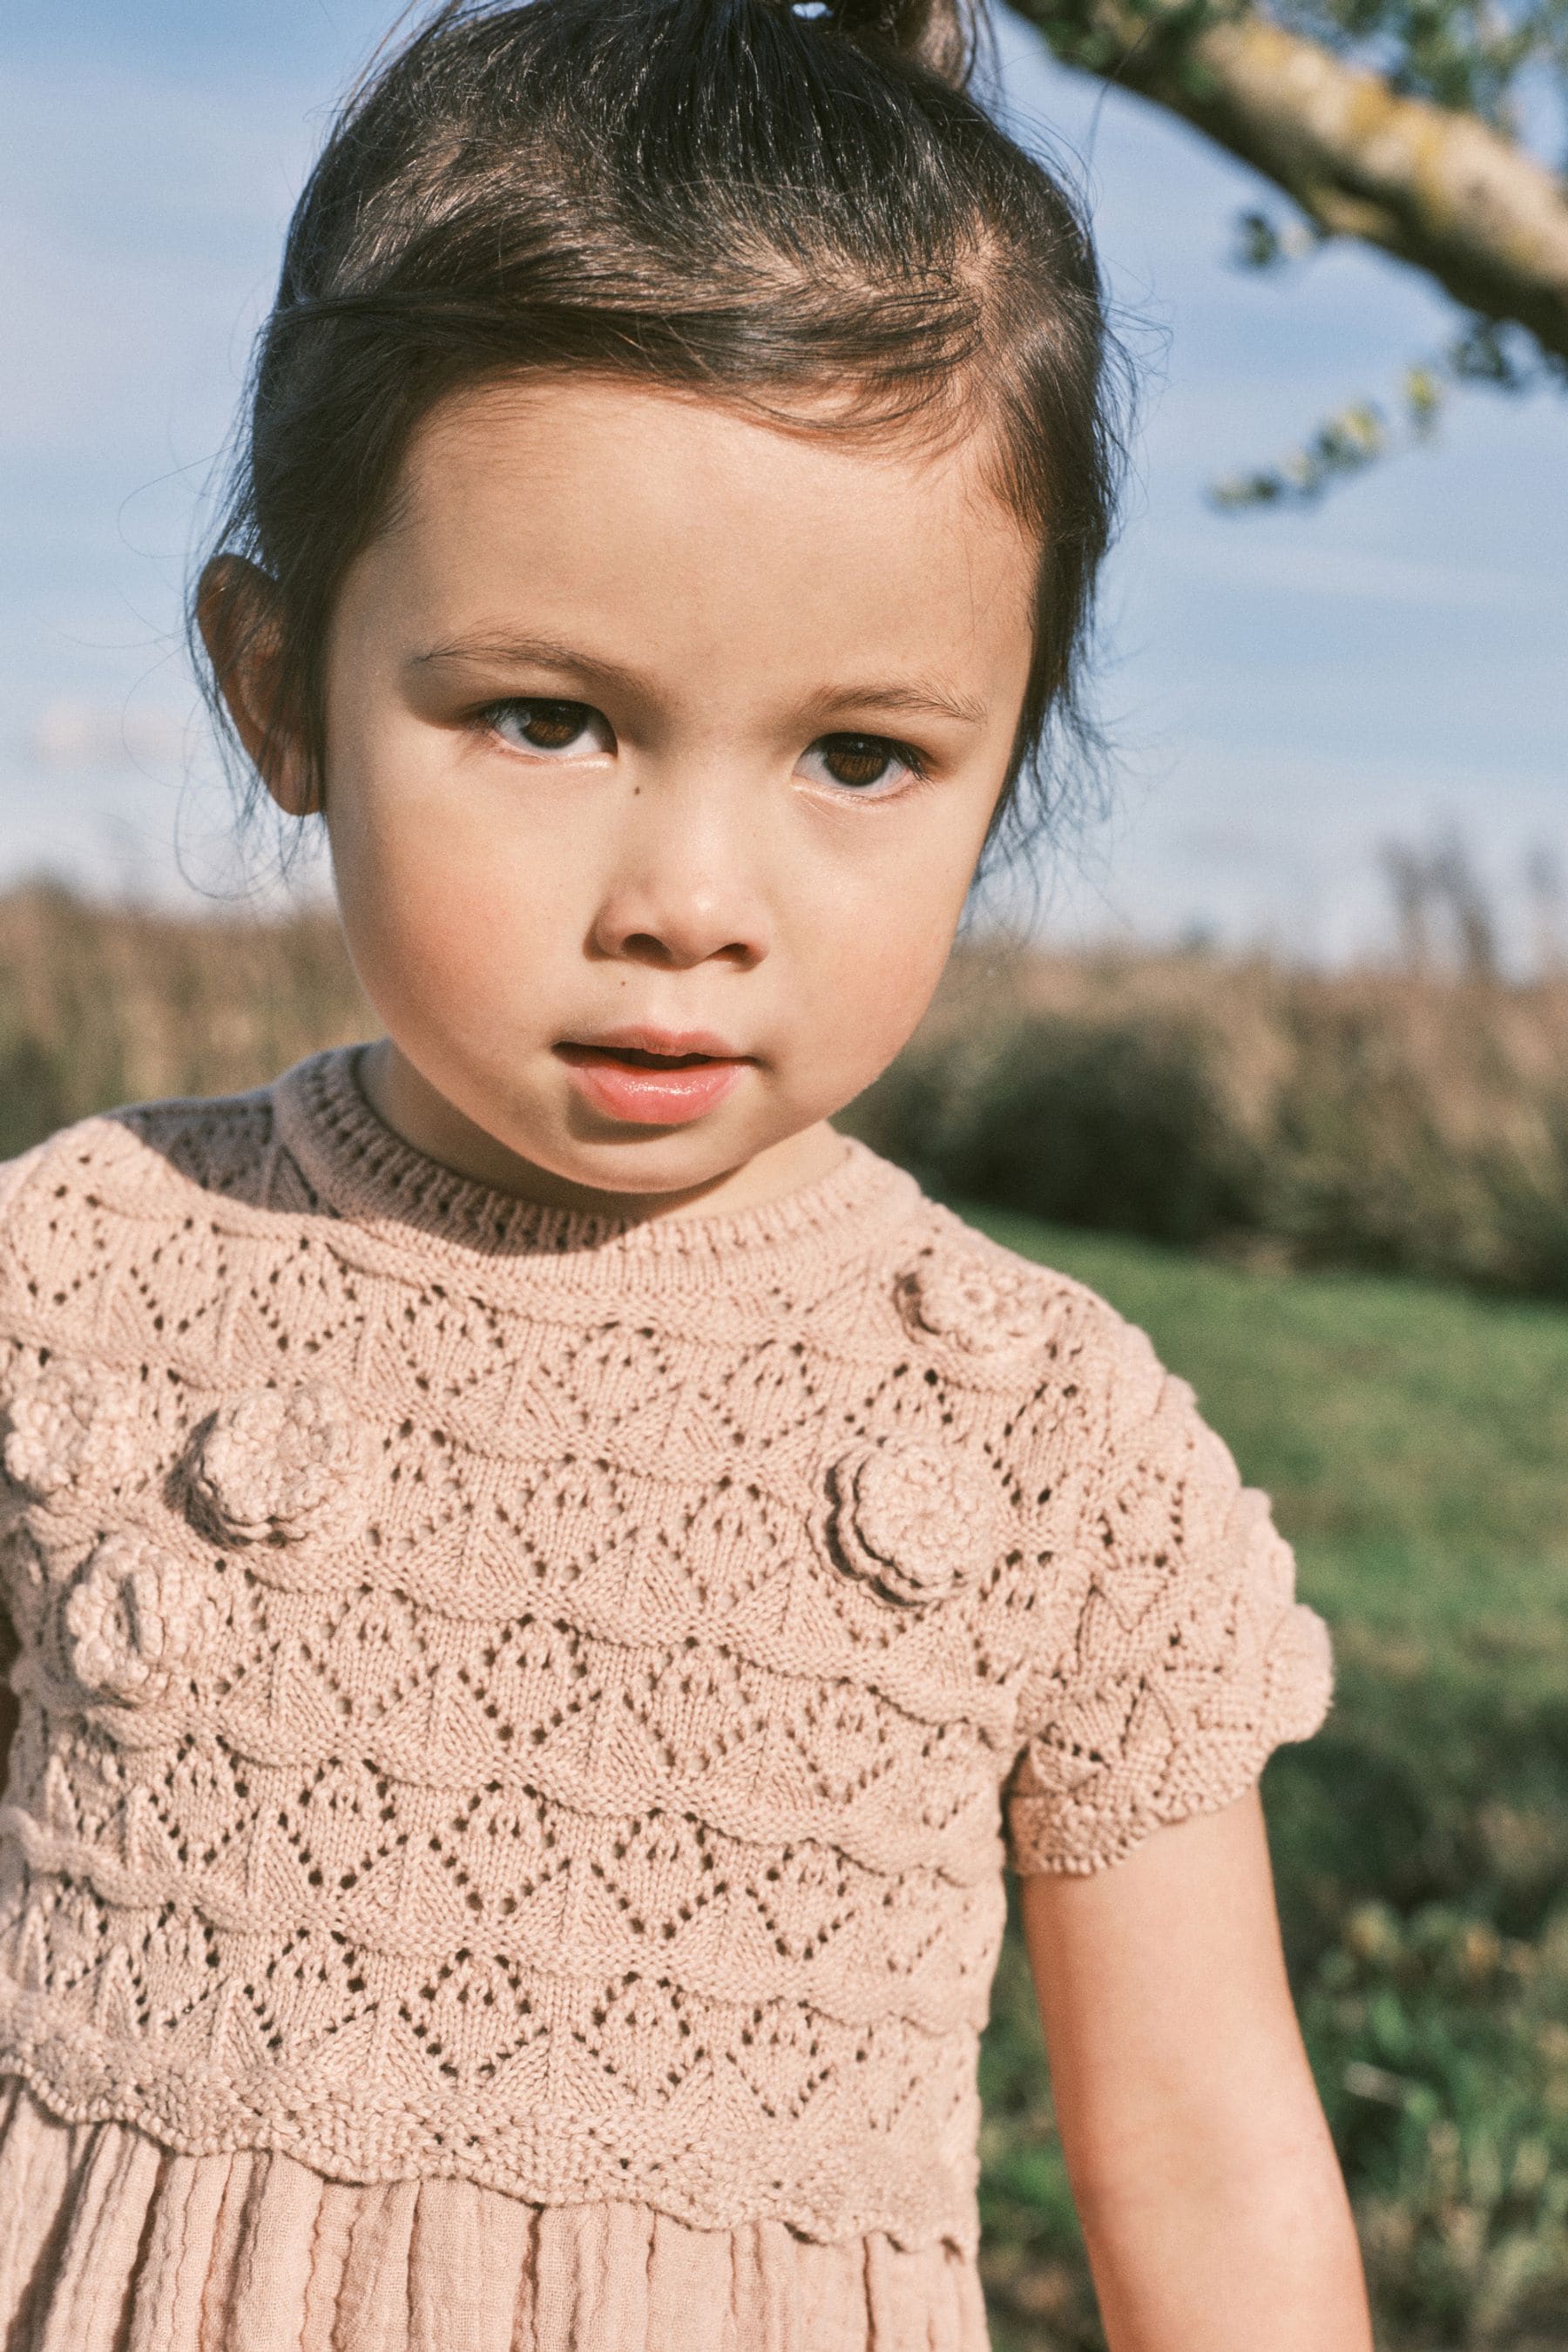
point(398, 1208)
point(428, 1123)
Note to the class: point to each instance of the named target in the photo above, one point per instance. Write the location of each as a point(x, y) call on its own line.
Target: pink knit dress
point(523, 1716)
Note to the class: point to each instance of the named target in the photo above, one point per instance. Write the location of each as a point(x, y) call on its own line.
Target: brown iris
point(857, 759)
point(549, 726)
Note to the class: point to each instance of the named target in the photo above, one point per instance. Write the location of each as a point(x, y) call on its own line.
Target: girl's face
point(643, 715)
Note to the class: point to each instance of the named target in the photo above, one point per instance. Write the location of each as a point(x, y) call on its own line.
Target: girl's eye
point(550, 730)
point(860, 762)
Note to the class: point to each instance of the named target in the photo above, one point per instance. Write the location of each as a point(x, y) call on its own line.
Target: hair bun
point(935, 34)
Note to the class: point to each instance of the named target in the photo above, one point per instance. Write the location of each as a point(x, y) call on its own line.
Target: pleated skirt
point(112, 2242)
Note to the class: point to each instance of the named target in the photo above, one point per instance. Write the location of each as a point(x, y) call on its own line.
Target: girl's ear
point(236, 612)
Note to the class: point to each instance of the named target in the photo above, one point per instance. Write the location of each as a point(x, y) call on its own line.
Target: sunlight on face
point(641, 713)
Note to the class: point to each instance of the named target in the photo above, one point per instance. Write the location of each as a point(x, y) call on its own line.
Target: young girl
point(547, 1581)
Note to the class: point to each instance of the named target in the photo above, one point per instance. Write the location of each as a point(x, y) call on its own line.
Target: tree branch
point(1437, 188)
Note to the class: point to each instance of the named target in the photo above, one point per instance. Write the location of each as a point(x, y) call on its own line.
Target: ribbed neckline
point(366, 1174)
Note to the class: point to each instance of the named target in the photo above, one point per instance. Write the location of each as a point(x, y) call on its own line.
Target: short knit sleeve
point(1178, 1656)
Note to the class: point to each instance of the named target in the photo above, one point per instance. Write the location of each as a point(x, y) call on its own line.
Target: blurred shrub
point(105, 1005)
point(1413, 1121)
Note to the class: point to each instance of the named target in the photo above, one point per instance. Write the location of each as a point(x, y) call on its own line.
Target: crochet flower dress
point(523, 1715)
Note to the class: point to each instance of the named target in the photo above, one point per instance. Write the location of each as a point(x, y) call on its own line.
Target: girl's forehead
point(620, 463)
point(554, 427)
point(675, 538)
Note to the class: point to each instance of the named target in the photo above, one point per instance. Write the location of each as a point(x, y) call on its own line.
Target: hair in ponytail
point(799, 208)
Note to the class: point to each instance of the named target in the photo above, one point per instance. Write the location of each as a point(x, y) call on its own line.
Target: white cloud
point(68, 735)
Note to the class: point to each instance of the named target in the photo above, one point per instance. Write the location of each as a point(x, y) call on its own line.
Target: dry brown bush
point(101, 1005)
point(1374, 1117)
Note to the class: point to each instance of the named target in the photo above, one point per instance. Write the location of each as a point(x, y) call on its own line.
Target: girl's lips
point(636, 1091)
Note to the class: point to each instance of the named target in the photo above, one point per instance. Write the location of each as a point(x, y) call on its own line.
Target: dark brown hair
point(798, 208)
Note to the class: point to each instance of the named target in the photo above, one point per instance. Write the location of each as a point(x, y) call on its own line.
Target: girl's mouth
point(646, 1089)
point(646, 1061)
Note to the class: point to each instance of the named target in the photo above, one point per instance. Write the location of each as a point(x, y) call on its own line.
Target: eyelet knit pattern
point(541, 1700)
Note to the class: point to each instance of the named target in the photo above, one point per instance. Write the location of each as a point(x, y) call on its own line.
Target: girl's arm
point(1200, 2160)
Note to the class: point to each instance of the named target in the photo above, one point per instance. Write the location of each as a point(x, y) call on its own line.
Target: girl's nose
point(683, 884)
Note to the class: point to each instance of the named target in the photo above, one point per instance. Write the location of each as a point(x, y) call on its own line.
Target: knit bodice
point(545, 1698)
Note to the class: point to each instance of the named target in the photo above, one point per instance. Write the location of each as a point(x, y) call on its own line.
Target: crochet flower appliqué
point(133, 1617)
point(75, 1423)
point(913, 1518)
point(277, 1465)
point(975, 1305)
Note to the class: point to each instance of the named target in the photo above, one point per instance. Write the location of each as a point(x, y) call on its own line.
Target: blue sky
point(1287, 690)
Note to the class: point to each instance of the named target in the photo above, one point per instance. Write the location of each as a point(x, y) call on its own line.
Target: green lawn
point(1416, 1442)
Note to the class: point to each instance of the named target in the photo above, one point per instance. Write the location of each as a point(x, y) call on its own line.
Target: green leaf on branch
point(1346, 443)
point(1265, 243)
point(1356, 436)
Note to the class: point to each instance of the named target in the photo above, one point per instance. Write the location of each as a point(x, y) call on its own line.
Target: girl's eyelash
point(562, 712)
point(906, 754)
point(488, 712)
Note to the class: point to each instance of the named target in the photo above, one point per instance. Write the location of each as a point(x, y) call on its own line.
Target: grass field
point(1416, 1442)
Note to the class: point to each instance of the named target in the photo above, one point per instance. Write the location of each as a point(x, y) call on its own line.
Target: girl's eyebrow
point(921, 698)
point(924, 700)
point(552, 652)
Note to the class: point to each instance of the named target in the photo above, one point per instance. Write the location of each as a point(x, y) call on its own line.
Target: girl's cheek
point(431, 918)
point(896, 994)
point(405, 895)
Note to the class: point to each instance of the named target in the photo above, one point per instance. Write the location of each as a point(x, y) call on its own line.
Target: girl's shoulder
point(142, 1158)
point(1079, 1401)
point(988, 1312)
